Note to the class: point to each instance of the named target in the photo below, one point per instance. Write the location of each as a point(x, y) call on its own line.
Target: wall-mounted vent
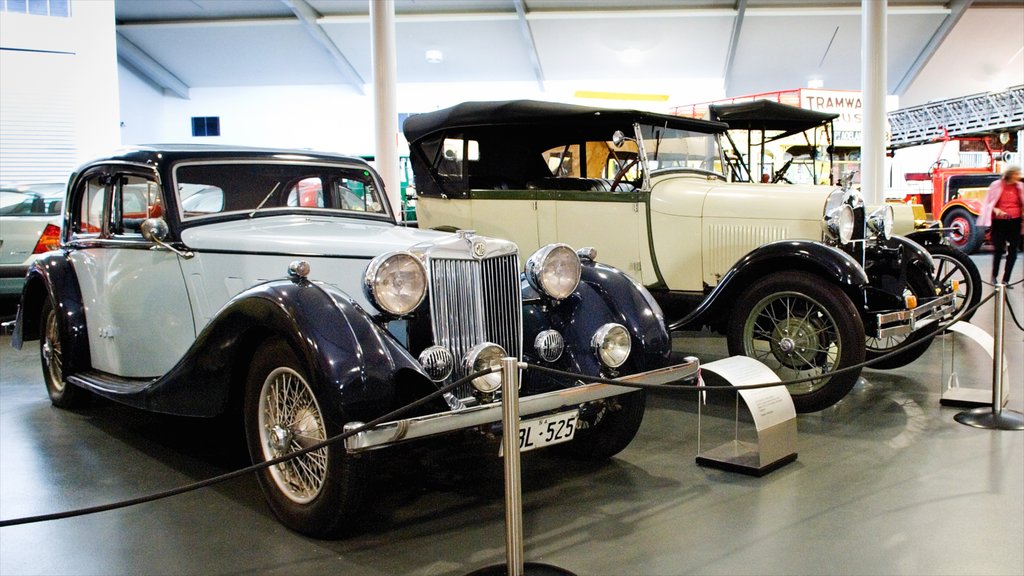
point(206, 125)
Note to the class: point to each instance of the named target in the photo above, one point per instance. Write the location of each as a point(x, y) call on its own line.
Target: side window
point(88, 216)
point(454, 153)
point(353, 194)
point(564, 161)
point(136, 198)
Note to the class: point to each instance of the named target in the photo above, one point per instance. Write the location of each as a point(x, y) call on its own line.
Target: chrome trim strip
point(423, 426)
point(911, 320)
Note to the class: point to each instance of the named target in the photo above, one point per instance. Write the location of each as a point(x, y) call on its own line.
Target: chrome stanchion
point(514, 564)
point(513, 475)
point(995, 418)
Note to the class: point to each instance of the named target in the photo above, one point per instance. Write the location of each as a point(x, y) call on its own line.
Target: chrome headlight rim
point(612, 344)
point(557, 283)
point(437, 362)
point(480, 357)
point(839, 224)
point(881, 221)
point(374, 283)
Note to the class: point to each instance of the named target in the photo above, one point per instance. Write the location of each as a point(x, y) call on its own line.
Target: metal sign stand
point(774, 421)
point(951, 393)
point(995, 418)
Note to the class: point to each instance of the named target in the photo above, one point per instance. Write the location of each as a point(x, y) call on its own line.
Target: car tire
point(800, 325)
point(919, 283)
point(62, 394)
point(965, 234)
point(612, 426)
point(316, 494)
point(953, 264)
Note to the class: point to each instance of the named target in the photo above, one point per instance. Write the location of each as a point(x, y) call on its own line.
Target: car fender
point(355, 366)
point(52, 276)
point(604, 295)
point(915, 254)
point(972, 206)
point(830, 263)
point(928, 237)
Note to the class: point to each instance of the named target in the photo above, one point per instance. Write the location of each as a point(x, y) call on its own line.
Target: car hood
point(697, 197)
point(306, 236)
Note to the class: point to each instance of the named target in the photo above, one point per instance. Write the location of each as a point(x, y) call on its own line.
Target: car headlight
point(554, 270)
point(481, 357)
point(549, 345)
point(612, 345)
point(839, 223)
point(395, 282)
point(881, 220)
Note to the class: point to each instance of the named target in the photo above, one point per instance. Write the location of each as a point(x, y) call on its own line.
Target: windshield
point(212, 188)
point(673, 148)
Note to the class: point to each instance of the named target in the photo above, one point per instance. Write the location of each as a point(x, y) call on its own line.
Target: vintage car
point(29, 226)
point(205, 281)
point(758, 123)
point(798, 277)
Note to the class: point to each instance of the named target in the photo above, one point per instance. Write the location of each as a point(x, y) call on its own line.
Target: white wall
point(59, 83)
point(333, 118)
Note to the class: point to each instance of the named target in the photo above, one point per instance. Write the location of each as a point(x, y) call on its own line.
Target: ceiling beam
point(308, 16)
point(957, 8)
point(734, 40)
point(531, 46)
point(137, 59)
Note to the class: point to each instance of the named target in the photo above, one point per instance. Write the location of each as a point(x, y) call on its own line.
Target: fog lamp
point(612, 345)
point(481, 357)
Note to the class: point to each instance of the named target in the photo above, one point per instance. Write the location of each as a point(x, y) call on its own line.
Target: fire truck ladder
point(965, 116)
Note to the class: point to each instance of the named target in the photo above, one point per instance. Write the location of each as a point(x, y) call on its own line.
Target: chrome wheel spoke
point(291, 421)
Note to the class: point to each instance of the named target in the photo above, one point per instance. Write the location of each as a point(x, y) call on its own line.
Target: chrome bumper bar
point(423, 426)
point(906, 321)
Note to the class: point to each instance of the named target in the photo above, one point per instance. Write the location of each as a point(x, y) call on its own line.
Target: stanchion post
point(513, 484)
point(995, 418)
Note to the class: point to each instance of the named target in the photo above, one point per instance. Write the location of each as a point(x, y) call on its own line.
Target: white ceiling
point(780, 43)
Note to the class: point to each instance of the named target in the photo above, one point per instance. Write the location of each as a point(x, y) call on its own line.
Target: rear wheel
point(965, 234)
point(800, 326)
point(62, 394)
point(316, 493)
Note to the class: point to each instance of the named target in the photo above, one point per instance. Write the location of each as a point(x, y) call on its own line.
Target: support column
point(385, 108)
point(873, 86)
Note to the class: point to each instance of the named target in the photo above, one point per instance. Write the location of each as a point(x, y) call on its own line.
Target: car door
point(137, 308)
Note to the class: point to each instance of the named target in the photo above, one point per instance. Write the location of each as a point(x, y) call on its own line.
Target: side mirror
point(156, 230)
point(618, 138)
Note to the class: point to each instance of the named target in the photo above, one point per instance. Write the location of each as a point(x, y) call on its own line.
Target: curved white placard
point(768, 406)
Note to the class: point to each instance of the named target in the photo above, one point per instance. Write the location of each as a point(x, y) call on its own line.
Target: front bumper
point(904, 322)
point(391, 433)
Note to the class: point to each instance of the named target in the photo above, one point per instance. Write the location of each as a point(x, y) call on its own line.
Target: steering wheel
point(622, 173)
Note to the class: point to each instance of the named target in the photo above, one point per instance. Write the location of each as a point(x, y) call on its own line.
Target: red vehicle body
point(956, 197)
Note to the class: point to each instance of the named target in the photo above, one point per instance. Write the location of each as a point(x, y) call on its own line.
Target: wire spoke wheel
point(800, 325)
point(795, 336)
point(290, 420)
point(53, 360)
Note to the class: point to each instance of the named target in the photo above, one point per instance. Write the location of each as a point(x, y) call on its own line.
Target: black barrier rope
point(249, 469)
point(1009, 306)
point(440, 392)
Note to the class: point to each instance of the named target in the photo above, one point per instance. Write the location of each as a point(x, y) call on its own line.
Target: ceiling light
point(435, 56)
point(815, 83)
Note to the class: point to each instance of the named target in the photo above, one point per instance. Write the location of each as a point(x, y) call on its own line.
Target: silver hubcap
point(795, 336)
point(290, 420)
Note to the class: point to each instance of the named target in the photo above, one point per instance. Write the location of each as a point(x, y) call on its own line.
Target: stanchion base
point(529, 569)
point(986, 418)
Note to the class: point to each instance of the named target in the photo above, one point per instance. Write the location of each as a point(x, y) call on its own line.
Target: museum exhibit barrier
point(951, 392)
point(995, 417)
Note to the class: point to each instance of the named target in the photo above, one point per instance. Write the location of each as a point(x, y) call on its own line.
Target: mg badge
point(479, 249)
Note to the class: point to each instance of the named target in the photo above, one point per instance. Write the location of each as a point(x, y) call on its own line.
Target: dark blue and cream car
point(201, 280)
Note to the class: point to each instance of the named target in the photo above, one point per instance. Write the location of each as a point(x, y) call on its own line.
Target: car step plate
point(545, 431)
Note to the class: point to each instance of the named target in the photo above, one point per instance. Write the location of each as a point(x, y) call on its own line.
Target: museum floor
point(886, 483)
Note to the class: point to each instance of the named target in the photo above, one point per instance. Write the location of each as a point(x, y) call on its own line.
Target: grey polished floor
point(886, 483)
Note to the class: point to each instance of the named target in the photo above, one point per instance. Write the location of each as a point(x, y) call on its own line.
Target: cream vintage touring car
point(797, 277)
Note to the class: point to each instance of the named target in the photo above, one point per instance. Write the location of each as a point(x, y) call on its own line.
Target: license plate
point(545, 431)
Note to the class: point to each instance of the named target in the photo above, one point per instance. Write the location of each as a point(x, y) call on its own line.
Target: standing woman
point(1001, 210)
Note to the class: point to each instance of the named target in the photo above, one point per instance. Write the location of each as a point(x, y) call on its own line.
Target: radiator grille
point(474, 301)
